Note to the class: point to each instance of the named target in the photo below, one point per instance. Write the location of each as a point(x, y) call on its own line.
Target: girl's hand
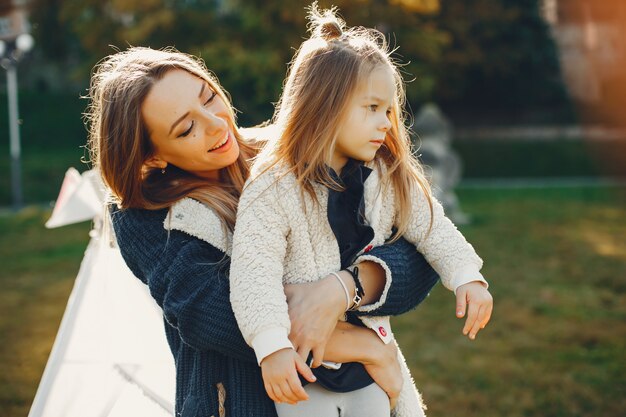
point(384, 369)
point(280, 376)
point(314, 309)
point(474, 297)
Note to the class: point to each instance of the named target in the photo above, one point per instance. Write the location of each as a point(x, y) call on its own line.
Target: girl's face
point(189, 125)
point(366, 122)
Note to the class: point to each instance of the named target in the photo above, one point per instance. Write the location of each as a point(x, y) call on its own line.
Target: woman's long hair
point(322, 78)
point(119, 142)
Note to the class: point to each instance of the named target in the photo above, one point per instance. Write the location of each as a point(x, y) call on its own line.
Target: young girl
point(339, 180)
point(164, 138)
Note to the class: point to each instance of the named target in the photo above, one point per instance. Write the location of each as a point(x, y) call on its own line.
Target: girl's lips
point(226, 146)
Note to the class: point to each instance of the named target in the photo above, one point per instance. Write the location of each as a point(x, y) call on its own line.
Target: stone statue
point(432, 137)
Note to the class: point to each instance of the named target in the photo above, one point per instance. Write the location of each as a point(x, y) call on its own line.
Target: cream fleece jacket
point(282, 236)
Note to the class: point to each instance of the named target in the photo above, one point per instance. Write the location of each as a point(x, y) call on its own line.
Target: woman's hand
point(478, 302)
point(314, 309)
point(280, 376)
point(384, 369)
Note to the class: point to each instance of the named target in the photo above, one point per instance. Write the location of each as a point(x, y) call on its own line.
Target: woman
point(163, 135)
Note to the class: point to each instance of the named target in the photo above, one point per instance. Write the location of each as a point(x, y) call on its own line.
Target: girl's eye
point(372, 107)
point(213, 94)
point(187, 132)
point(388, 112)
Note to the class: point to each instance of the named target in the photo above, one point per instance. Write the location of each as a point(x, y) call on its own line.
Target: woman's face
point(189, 125)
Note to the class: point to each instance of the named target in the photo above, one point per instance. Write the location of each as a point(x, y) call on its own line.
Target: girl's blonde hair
point(322, 78)
point(119, 142)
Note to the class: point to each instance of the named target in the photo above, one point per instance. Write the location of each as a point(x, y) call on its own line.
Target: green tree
point(478, 53)
point(501, 54)
point(249, 43)
point(52, 36)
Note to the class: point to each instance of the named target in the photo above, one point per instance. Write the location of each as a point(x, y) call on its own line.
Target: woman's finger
point(393, 402)
point(304, 370)
point(304, 352)
point(318, 356)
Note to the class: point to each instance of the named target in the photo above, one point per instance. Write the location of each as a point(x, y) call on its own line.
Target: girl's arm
point(453, 258)
point(259, 247)
point(187, 278)
point(395, 279)
point(443, 245)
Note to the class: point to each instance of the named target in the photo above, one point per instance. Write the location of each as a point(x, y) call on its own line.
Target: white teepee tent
point(110, 357)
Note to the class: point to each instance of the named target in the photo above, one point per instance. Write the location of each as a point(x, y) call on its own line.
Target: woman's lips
point(226, 146)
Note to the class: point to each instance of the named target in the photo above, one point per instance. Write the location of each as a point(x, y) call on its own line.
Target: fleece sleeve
point(259, 247)
point(441, 243)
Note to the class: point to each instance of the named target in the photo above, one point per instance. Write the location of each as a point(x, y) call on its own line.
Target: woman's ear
point(155, 162)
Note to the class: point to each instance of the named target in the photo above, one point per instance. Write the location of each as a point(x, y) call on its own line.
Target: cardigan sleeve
point(409, 278)
point(441, 243)
point(259, 248)
point(188, 278)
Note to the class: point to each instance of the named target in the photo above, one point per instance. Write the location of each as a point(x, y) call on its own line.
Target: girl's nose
point(385, 124)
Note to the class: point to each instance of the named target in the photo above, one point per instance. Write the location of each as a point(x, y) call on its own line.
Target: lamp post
point(11, 51)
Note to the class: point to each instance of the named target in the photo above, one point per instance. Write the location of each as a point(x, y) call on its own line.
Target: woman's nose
point(216, 123)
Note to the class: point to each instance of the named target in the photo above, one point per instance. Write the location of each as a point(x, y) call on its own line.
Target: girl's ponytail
point(325, 25)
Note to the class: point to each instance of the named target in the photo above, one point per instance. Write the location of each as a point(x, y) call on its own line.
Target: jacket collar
point(194, 218)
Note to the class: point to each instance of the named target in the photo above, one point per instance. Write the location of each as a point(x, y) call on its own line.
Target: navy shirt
point(346, 215)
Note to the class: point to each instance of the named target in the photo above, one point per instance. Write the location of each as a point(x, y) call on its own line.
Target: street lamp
point(11, 51)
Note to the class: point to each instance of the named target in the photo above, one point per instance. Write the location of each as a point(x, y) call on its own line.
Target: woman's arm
point(403, 273)
point(196, 300)
point(187, 278)
point(349, 343)
point(314, 308)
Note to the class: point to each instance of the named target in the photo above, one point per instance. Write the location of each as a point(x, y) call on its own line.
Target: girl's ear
point(155, 162)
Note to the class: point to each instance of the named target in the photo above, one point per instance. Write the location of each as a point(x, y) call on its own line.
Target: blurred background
point(518, 111)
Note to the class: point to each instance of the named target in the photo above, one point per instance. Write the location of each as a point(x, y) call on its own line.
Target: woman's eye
point(213, 94)
point(187, 132)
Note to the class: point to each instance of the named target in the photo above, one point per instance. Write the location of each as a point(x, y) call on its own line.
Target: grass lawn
point(556, 261)
point(38, 271)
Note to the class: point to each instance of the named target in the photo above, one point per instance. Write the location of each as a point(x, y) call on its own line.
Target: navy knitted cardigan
point(188, 278)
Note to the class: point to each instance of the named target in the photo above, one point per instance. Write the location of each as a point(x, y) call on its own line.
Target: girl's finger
point(476, 326)
point(296, 387)
point(472, 313)
point(487, 316)
point(278, 392)
point(461, 303)
point(270, 393)
point(482, 314)
point(289, 396)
